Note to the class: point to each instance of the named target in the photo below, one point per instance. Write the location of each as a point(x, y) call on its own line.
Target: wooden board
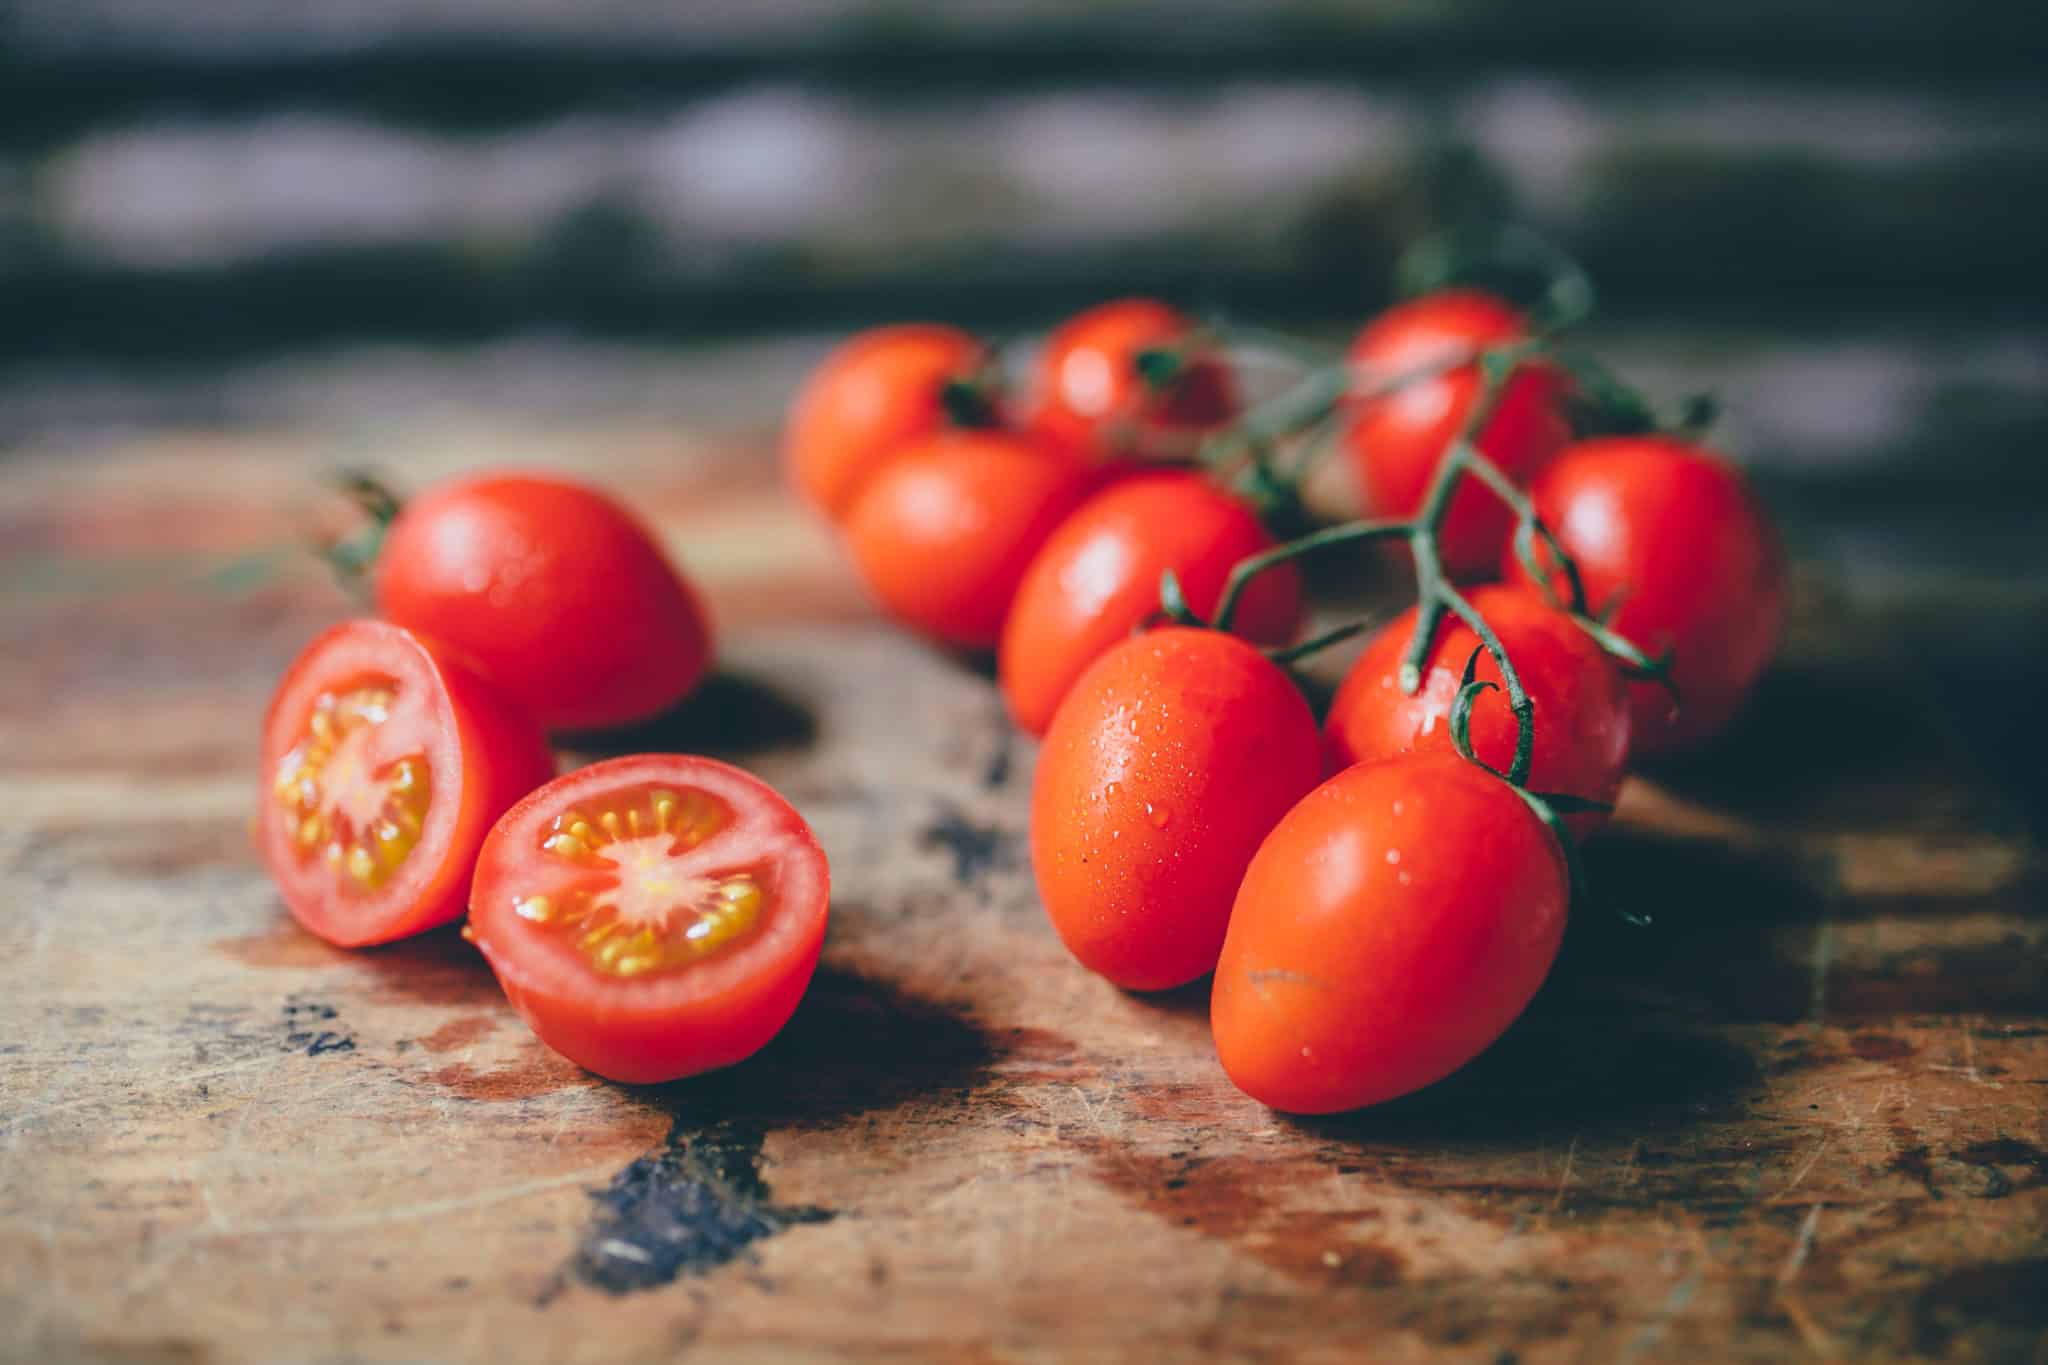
point(1801, 1116)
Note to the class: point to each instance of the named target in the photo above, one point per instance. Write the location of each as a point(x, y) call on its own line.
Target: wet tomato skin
point(1581, 700)
point(1390, 928)
point(483, 752)
point(1669, 535)
point(663, 1026)
point(1165, 766)
point(1097, 579)
point(1395, 441)
point(944, 534)
point(553, 590)
point(1092, 400)
point(872, 397)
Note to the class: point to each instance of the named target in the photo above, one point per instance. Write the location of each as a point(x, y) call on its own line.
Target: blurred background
point(364, 222)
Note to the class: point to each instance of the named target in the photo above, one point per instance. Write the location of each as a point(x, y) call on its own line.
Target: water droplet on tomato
point(1393, 856)
point(1159, 815)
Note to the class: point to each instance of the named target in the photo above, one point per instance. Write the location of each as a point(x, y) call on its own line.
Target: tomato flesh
point(652, 917)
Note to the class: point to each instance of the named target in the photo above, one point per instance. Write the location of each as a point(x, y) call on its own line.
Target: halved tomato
point(385, 762)
point(653, 916)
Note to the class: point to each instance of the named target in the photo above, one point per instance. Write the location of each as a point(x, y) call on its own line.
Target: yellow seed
point(361, 865)
point(322, 724)
point(311, 831)
point(405, 776)
point(599, 934)
point(612, 951)
point(392, 843)
point(334, 855)
point(583, 830)
point(610, 821)
point(468, 933)
point(567, 846)
point(539, 909)
point(636, 964)
point(633, 822)
point(664, 809)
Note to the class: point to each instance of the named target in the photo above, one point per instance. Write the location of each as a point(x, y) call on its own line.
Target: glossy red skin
point(1097, 580)
point(1166, 765)
point(1673, 534)
point(1581, 700)
point(943, 535)
point(1349, 978)
point(674, 1024)
point(1090, 398)
point(483, 754)
point(553, 590)
point(1396, 441)
point(875, 395)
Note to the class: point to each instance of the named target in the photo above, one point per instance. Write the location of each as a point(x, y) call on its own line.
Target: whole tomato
point(1580, 697)
point(1396, 440)
point(1165, 766)
point(1668, 537)
point(1093, 398)
point(554, 591)
point(1097, 579)
point(874, 396)
point(943, 533)
point(1391, 926)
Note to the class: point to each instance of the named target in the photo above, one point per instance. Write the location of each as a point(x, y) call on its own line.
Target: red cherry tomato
point(1671, 534)
point(384, 763)
point(1391, 927)
point(872, 397)
point(943, 535)
point(553, 590)
point(1581, 700)
point(1092, 399)
point(1166, 765)
point(654, 916)
point(1397, 440)
point(1098, 578)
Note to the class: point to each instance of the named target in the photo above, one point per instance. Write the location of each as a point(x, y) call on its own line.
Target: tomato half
point(1169, 761)
point(384, 762)
point(1092, 398)
point(1098, 578)
point(1580, 697)
point(1390, 928)
point(1396, 441)
point(1670, 539)
point(557, 594)
point(652, 917)
point(870, 398)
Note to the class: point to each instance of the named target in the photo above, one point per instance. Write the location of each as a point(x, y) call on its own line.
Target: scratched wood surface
point(1799, 1117)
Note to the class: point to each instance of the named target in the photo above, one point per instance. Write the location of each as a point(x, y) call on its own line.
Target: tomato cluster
point(1381, 893)
point(650, 917)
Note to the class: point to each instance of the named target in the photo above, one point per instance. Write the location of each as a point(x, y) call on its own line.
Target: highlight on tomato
point(1132, 378)
point(1097, 579)
point(1677, 554)
point(1389, 929)
point(1172, 757)
point(1580, 700)
point(557, 594)
point(384, 762)
point(1395, 439)
point(871, 398)
point(652, 917)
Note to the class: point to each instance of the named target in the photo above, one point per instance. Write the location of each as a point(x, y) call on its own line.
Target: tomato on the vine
point(652, 917)
point(1094, 398)
point(872, 397)
point(1391, 926)
point(1580, 699)
point(1672, 547)
point(557, 594)
point(1097, 579)
point(384, 762)
point(1397, 439)
point(942, 536)
point(1169, 761)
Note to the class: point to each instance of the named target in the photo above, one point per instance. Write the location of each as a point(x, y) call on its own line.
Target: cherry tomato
point(384, 763)
point(873, 396)
point(943, 535)
point(1390, 928)
point(1396, 440)
point(1098, 578)
point(1670, 538)
point(652, 917)
point(1166, 765)
point(1092, 398)
point(1581, 700)
point(553, 590)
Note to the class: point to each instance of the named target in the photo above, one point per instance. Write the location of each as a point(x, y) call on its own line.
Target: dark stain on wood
point(541, 1072)
point(2005, 1298)
point(1880, 1047)
point(306, 1028)
point(458, 1033)
point(977, 849)
point(1912, 1158)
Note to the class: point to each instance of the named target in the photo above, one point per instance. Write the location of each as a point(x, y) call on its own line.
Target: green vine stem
point(352, 557)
